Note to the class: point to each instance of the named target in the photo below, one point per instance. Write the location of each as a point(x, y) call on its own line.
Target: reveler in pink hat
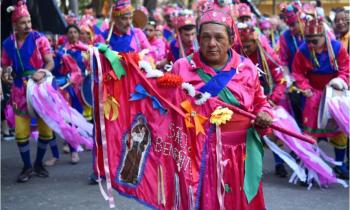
point(185, 41)
point(320, 62)
point(169, 13)
point(271, 76)
point(267, 29)
point(244, 13)
point(216, 70)
point(289, 43)
point(29, 54)
point(123, 36)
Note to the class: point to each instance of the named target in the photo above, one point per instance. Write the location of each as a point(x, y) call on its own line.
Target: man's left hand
point(38, 76)
point(263, 120)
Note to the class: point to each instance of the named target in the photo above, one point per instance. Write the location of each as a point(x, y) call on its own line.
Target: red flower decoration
point(169, 80)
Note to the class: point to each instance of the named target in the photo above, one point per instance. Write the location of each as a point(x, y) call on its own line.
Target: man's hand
point(263, 120)
point(38, 76)
point(308, 93)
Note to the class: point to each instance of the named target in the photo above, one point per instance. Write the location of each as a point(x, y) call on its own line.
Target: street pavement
point(68, 188)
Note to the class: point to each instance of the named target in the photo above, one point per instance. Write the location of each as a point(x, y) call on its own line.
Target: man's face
point(341, 22)
point(51, 41)
point(150, 31)
point(294, 27)
point(315, 41)
point(123, 23)
point(214, 43)
point(73, 35)
point(168, 21)
point(266, 32)
point(249, 47)
point(23, 25)
point(187, 37)
point(84, 36)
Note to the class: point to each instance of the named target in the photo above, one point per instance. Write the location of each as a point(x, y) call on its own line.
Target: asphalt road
point(68, 188)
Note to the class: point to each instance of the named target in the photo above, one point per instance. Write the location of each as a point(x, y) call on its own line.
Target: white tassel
point(168, 67)
point(10, 9)
point(190, 88)
point(203, 99)
point(148, 68)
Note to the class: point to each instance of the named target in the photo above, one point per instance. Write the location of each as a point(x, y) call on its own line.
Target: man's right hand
point(308, 93)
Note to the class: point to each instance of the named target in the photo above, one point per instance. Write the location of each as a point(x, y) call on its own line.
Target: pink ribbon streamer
point(103, 134)
point(219, 169)
point(339, 108)
point(63, 119)
point(308, 153)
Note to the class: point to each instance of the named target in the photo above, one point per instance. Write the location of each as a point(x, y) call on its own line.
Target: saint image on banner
point(136, 143)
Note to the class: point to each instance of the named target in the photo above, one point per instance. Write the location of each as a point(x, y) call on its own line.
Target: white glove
point(338, 84)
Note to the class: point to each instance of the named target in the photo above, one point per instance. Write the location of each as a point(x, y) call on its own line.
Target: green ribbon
point(254, 149)
point(253, 164)
point(113, 60)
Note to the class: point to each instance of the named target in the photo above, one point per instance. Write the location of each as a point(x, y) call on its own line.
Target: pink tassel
point(63, 119)
point(339, 108)
point(10, 116)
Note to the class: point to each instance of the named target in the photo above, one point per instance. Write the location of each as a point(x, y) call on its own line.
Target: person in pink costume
point(319, 62)
point(124, 37)
point(218, 70)
point(185, 42)
point(271, 74)
point(157, 43)
point(29, 54)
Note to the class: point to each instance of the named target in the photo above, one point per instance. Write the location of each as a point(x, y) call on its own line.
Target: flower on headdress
point(221, 116)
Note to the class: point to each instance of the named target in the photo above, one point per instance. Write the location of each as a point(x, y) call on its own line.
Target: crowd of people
point(295, 56)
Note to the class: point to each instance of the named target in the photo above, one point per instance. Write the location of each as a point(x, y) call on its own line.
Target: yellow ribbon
point(111, 107)
point(197, 118)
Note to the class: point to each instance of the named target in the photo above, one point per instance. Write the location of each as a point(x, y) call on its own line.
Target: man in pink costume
point(289, 43)
point(319, 62)
point(29, 54)
point(184, 44)
point(271, 74)
point(124, 37)
point(208, 71)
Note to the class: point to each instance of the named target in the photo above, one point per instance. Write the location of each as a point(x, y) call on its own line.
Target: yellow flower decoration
point(111, 108)
point(221, 116)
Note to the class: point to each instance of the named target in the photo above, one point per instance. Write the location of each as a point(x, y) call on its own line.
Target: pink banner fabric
point(157, 158)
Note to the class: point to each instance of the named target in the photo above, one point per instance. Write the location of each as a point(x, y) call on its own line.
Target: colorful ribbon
point(113, 58)
point(110, 108)
point(197, 118)
point(141, 93)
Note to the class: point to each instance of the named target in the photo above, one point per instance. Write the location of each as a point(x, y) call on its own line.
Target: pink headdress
point(290, 13)
point(244, 10)
point(18, 10)
point(313, 26)
point(122, 7)
point(213, 13)
point(169, 10)
point(184, 18)
point(265, 24)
